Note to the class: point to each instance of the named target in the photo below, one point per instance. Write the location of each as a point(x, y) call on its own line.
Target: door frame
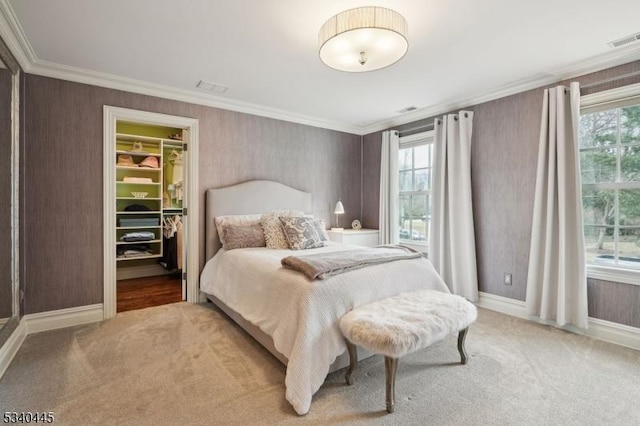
point(111, 116)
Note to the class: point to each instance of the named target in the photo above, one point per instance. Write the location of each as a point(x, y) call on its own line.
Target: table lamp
point(338, 211)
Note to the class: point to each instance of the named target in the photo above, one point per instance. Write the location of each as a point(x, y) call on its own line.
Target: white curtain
point(389, 188)
point(556, 283)
point(452, 246)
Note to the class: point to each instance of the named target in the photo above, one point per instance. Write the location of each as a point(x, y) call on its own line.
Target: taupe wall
point(5, 194)
point(503, 162)
point(63, 177)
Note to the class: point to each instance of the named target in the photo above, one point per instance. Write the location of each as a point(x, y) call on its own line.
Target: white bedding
point(301, 315)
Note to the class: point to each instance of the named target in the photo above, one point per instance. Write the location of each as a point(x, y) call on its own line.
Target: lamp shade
point(363, 39)
point(339, 208)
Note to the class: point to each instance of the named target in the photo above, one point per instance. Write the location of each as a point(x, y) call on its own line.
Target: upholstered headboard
point(252, 197)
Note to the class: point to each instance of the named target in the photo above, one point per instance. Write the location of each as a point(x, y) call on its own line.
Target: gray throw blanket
point(324, 265)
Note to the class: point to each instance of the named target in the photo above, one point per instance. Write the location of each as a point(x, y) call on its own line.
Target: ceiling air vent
point(408, 109)
point(633, 38)
point(212, 87)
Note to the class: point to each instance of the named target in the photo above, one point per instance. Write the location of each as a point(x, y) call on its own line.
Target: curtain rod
point(610, 80)
point(411, 129)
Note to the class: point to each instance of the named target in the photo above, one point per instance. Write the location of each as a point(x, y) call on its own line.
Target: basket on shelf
point(137, 194)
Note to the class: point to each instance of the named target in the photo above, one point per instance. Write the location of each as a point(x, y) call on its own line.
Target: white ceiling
point(266, 51)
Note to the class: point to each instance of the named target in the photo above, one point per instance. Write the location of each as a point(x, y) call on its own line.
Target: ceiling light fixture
point(363, 39)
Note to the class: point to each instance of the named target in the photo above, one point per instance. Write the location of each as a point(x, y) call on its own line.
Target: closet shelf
point(119, 182)
point(151, 256)
point(140, 154)
point(123, 243)
point(138, 227)
point(142, 212)
point(127, 137)
point(139, 169)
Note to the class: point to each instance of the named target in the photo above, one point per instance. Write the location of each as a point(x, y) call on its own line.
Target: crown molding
point(15, 38)
point(597, 63)
point(111, 81)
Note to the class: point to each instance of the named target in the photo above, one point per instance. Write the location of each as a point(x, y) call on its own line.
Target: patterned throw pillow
point(272, 228)
point(321, 228)
point(301, 232)
point(242, 220)
point(243, 236)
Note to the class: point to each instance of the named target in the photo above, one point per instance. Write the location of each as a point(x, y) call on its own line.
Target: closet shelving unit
point(128, 193)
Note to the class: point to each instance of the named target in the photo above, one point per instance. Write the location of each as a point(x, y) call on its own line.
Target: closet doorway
point(150, 184)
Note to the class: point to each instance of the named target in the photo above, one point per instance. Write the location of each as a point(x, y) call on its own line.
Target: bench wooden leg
point(353, 361)
point(461, 337)
point(390, 367)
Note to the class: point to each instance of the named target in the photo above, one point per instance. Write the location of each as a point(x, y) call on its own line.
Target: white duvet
point(301, 315)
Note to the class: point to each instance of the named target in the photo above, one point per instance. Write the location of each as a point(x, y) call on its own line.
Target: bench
point(403, 324)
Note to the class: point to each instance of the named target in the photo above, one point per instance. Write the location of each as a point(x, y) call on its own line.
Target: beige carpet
point(188, 364)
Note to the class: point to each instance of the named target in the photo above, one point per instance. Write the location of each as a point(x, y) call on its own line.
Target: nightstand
point(355, 237)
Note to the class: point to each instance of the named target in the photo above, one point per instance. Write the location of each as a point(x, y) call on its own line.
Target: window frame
point(587, 105)
point(412, 141)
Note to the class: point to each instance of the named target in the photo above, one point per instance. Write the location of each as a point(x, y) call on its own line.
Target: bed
point(295, 318)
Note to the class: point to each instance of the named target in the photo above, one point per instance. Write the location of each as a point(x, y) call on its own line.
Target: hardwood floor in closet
point(139, 293)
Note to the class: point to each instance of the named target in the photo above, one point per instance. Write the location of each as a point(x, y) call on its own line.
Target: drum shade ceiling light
point(363, 39)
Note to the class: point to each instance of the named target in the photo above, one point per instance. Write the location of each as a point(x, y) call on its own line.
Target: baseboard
point(505, 305)
point(52, 320)
point(11, 346)
point(608, 331)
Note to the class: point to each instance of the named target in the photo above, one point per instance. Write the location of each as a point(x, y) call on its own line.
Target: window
point(610, 168)
point(415, 166)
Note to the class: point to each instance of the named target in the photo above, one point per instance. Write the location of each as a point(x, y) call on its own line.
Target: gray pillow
point(301, 232)
point(272, 228)
point(243, 236)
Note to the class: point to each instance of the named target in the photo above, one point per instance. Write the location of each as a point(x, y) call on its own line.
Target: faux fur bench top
point(407, 322)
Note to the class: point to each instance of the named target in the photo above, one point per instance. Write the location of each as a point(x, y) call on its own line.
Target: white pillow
point(236, 220)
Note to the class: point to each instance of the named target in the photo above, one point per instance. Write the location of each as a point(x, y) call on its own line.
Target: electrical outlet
point(507, 278)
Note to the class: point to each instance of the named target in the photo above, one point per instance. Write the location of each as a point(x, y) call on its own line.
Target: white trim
point(595, 271)
point(52, 320)
point(109, 213)
point(597, 63)
point(612, 332)
point(608, 331)
point(111, 116)
point(607, 96)
point(505, 305)
point(112, 81)
point(10, 348)
point(15, 37)
point(616, 275)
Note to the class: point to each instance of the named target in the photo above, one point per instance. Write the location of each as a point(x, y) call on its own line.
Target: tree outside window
point(415, 164)
point(610, 172)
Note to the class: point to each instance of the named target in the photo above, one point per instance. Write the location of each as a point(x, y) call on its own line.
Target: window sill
point(616, 275)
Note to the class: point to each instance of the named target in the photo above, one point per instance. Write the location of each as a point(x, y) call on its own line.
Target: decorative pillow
point(222, 221)
point(321, 228)
point(301, 232)
point(272, 227)
point(243, 236)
